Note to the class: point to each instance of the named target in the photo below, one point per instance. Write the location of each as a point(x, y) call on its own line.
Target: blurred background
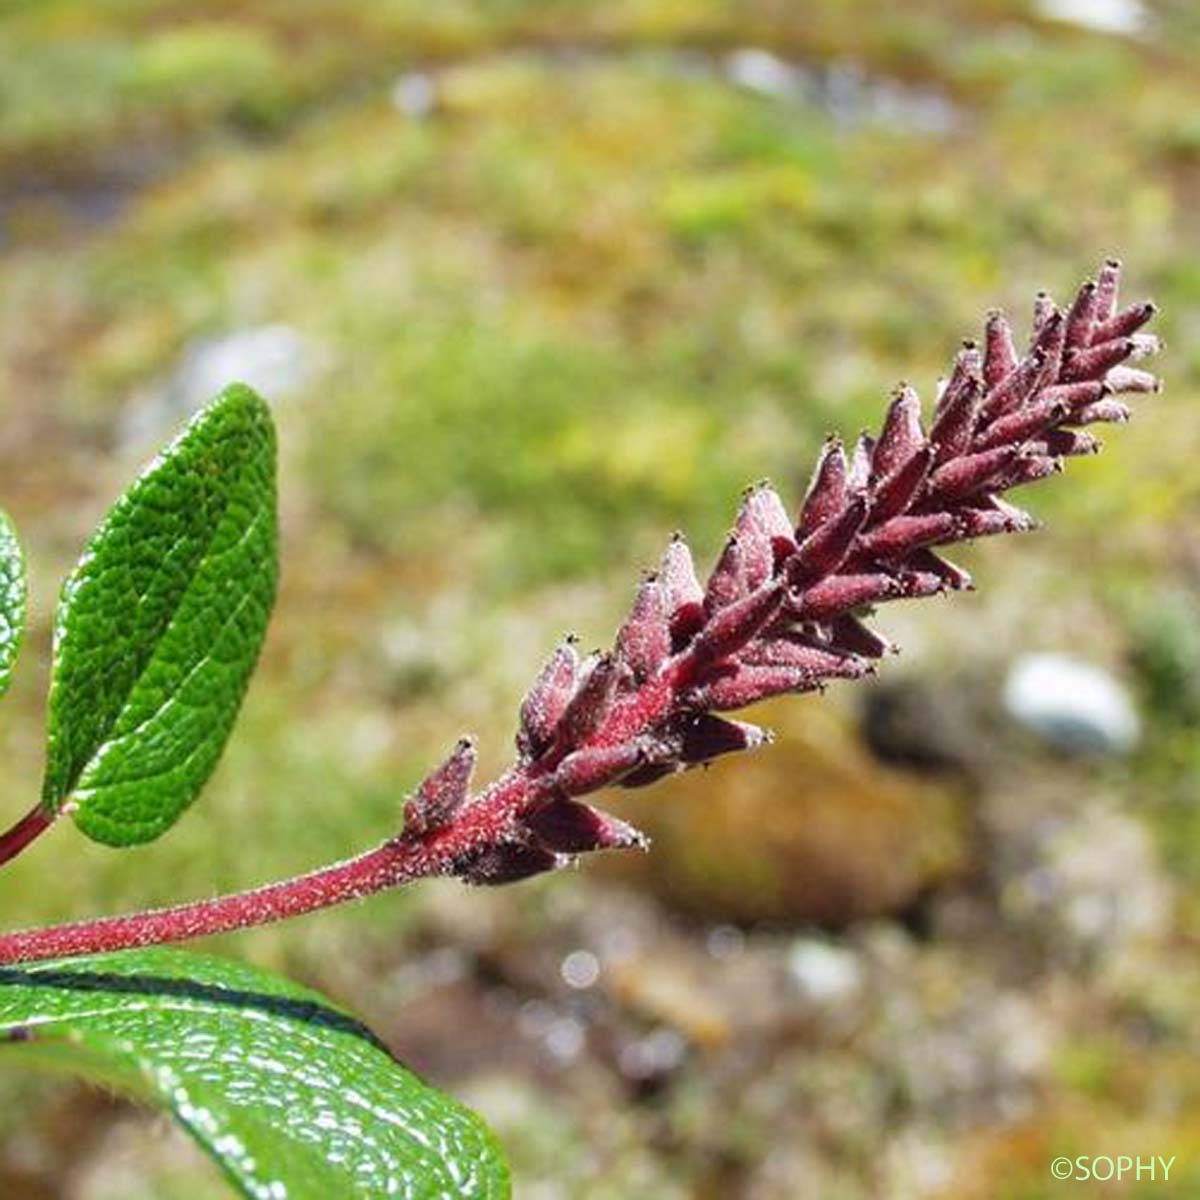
point(530, 284)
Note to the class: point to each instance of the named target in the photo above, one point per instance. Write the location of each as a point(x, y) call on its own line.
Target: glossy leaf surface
point(294, 1098)
point(160, 625)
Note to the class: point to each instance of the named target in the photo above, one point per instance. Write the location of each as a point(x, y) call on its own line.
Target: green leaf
point(12, 599)
point(160, 625)
point(292, 1097)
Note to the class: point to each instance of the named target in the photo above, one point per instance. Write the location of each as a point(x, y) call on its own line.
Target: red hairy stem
point(780, 612)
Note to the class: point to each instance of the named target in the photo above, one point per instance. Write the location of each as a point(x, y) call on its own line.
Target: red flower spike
point(1082, 317)
point(566, 826)
point(895, 493)
point(901, 436)
point(999, 355)
point(730, 629)
point(827, 492)
point(644, 641)
point(963, 476)
point(847, 633)
point(592, 701)
point(1108, 285)
point(443, 792)
point(1125, 323)
point(1095, 361)
point(823, 551)
point(595, 767)
point(543, 707)
point(727, 583)
point(509, 863)
point(643, 712)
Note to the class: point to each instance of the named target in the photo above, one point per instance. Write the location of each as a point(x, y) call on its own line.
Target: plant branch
point(31, 826)
point(780, 612)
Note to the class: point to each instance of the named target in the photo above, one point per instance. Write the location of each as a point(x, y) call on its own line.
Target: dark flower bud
point(902, 535)
point(1097, 360)
point(969, 474)
point(547, 700)
point(727, 582)
point(443, 792)
point(595, 767)
point(648, 774)
point(764, 532)
point(901, 436)
point(840, 593)
point(1075, 395)
point(821, 661)
point(1125, 323)
point(957, 417)
point(824, 550)
point(644, 641)
point(827, 492)
point(682, 592)
point(850, 635)
point(1043, 309)
point(1081, 317)
point(509, 863)
point(727, 631)
point(986, 522)
point(569, 827)
point(1017, 387)
point(897, 491)
point(916, 585)
point(1029, 468)
point(953, 576)
point(749, 684)
point(999, 355)
point(592, 701)
point(1018, 427)
point(701, 737)
point(1068, 443)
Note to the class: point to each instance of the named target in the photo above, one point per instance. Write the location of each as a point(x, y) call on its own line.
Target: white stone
point(1072, 704)
point(826, 974)
point(1107, 16)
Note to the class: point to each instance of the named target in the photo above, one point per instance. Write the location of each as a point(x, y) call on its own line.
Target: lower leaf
point(293, 1098)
